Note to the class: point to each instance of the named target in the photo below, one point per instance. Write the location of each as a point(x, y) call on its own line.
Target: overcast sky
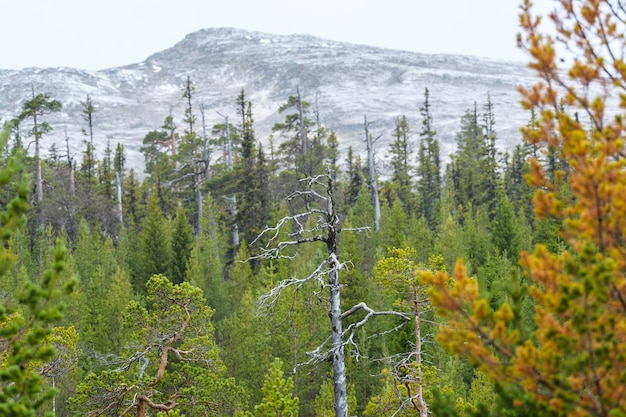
point(98, 34)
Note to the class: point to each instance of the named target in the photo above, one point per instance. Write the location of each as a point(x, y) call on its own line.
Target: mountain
point(348, 81)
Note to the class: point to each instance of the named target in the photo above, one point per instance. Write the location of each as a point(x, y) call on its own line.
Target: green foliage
point(505, 229)
point(171, 362)
point(428, 168)
point(247, 342)
point(324, 400)
point(25, 337)
point(155, 247)
point(475, 215)
point(393, 226)
point(38, 106)
point(400, 185)
point(472, 171)
point(278, 399)
point(182, 241)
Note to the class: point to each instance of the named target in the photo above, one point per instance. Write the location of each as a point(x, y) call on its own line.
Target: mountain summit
point(347, 82)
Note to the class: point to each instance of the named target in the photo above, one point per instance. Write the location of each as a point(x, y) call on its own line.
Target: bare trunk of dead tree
point(70, 165)
point(118, 188)
point(38, 178)
point(372, 175)
point(200, 199)
point(327, 275)
point(72, 181)
point(206, 153)
point(339, 364)
point(421, 404)
point(54, 398)
point(303, 138)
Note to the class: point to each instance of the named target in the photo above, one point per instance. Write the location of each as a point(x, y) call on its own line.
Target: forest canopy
point(251, 276)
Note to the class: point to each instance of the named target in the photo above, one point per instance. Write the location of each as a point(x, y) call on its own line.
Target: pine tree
point(160, 150)
point(172, 364)
point(34, 109)
point(571, 364)
point(25, 343)
point(89, 166)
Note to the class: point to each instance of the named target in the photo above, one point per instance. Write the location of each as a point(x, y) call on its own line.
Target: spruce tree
point(400, 152)
point(428, 168)
point(155, 245)
point(182, 242)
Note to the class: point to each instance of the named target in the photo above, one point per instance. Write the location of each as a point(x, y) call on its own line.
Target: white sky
point(98, 34)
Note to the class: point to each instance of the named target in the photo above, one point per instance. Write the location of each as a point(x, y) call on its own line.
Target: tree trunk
point(421, 404)
point(141, 408)
point(38, 179)
point(303, 137)
point(54, 398)
point(200, 211)
point(70, 165)
point(118, 188)
point(372, 175)
point(339, 364)
point(205, 146)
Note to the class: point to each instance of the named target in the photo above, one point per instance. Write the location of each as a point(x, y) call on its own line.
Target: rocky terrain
point(348, 81)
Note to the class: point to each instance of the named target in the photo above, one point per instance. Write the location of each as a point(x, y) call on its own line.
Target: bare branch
point(270, 298)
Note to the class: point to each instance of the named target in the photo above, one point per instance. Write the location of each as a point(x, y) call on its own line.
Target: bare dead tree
point(318, 200)
point(372, 173)
point(70, 165)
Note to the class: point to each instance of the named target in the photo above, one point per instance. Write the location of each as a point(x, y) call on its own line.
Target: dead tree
point(318, 200)
point(372, 174)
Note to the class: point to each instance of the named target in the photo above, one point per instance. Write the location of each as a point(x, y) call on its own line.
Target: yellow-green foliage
point(278, 399)
point(573, 364)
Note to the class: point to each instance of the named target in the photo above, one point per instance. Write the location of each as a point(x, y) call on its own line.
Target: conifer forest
point(240, 275)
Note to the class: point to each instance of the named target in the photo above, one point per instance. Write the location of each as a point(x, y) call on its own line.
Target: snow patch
point(265, 41)
point(156, 68)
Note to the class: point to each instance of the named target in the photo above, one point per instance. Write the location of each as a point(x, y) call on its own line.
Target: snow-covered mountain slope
point(348, 81)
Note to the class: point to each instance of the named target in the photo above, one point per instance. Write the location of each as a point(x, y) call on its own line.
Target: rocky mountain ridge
point(347, 81)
